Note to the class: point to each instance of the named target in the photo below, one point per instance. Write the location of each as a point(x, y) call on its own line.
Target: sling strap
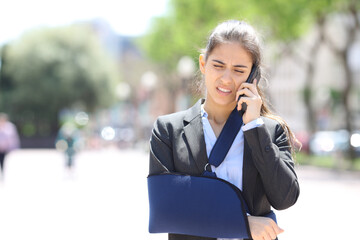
point(224, 141)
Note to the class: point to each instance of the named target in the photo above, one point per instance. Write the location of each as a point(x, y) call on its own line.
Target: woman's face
point(228, 65)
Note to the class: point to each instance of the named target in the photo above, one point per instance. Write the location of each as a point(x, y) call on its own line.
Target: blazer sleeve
point(272, 157)
point(161, 154)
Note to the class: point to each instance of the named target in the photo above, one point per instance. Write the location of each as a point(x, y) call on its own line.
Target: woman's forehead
point(231, 53)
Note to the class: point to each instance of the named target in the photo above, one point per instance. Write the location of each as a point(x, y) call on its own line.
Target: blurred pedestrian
point(67, 141)
point(9, 139)
point(259, 161)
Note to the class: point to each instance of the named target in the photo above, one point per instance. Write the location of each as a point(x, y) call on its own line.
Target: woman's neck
point(218, 114)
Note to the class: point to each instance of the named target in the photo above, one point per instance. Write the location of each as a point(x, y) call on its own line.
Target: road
point(105, 197)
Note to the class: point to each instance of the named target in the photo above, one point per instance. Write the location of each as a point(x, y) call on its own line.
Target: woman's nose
point(226, 77)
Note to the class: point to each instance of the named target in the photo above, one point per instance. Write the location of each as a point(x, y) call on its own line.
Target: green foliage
point(319, 161)
point(307, 93)
point(184, 29)
point(334, 162)
point(336, 97)
point(47, 70)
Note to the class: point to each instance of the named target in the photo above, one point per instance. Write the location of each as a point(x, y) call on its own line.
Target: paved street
point(105, 197)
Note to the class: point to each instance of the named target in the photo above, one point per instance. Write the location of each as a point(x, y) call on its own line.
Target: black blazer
point(177, 144)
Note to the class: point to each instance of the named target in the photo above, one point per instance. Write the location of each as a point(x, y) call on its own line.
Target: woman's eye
point(239, 71)
point(217, 66)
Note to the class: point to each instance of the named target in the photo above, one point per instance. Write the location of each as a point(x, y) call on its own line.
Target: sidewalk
point(327, 208)
point(105, 197)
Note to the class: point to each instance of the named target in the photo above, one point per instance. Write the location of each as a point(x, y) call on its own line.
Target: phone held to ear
point(255, 73)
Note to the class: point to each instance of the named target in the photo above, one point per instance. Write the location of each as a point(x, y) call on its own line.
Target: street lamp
point(149, 80)
point(123, 91)
point(144, 120)
point(354, 57)
point(185, 69)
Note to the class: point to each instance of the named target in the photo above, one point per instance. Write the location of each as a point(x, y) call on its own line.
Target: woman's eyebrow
point(218, 61)
point(238, 65)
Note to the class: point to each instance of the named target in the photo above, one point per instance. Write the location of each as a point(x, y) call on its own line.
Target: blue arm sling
point(201, 205)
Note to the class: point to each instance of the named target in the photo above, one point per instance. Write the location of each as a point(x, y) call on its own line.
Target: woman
point(259, 161)
point(9, 139)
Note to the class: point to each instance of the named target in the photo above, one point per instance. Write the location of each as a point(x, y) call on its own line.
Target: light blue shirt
point(232, 166)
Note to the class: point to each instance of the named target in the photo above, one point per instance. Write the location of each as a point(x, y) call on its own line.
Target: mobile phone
point(255, 73)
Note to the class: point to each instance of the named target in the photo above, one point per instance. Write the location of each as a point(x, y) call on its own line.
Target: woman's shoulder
point(177, 119)
point(167, 126)
point(273, 124)
point(172, 120)
point(172, 117)
point(270, 121)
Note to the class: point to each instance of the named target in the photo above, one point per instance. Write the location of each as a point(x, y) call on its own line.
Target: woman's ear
point(202, 63)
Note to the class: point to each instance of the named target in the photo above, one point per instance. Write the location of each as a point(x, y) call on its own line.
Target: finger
point(267, 236)
point(258, 237)
point(272, 233)
point(271, 228)
point(254, 88)
point(245, 92)
point(241, 101)
point(279, 230)
point(250, 86)
point(276, 228)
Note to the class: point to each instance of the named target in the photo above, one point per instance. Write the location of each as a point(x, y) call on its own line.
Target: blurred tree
point(289, 20)
point(351, 29)
point(184, 29)
point(47, 70)
point(183, 32)
point(188, 23)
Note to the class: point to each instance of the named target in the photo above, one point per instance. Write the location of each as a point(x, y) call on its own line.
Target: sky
point(126, 17)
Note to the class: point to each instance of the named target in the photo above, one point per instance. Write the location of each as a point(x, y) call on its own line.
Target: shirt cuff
point(253, 124)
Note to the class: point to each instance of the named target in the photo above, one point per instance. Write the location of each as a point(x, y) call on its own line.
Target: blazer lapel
point(194, 134)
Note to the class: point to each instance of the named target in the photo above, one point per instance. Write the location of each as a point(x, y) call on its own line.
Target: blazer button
point(267, 148)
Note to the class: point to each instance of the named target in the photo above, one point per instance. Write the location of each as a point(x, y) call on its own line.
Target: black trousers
point(2, 159)
point(186, 237)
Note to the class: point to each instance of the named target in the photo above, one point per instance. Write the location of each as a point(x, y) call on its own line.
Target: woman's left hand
point(263, 228)
point(251, 98)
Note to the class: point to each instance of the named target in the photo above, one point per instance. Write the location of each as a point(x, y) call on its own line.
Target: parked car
point(123, 136)
point(329, 142)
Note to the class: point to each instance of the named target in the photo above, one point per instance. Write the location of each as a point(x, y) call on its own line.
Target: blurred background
point(83, 82)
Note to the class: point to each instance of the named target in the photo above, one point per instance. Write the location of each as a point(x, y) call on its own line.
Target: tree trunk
point(349, 79)
point(309, 77)
point(345, 99)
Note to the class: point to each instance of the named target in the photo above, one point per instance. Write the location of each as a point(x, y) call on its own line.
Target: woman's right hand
point(263, 228)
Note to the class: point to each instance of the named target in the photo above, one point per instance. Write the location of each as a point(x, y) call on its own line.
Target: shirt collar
point(203, 112)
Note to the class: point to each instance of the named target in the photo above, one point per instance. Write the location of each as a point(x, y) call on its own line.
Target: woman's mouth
point(223, 90)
